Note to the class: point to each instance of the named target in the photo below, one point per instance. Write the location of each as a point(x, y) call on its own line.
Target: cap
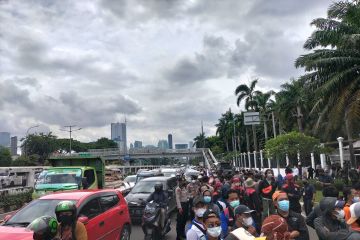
point(249, 183)
point(242, 209)
point(197, 200)
point(354, 213)
point(210, 213)
point(339, 204)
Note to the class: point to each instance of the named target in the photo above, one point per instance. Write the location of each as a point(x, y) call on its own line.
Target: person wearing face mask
point(227, 216)
point(267, 187)
point(197, 229)
point(252, 200)
point(244, 224)
point(207, 195)
point(331, 225)
point(296, 222)
point(212, 225)
point(354, 217)
point(294, 193)
point(352, 196)
point(308, 196)
point(182, 203)
point(70, 228)
point(193, 190)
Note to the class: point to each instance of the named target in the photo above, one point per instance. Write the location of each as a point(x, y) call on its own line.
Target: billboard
point(251, 118)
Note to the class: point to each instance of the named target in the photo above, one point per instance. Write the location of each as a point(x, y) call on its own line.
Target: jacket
point(158, 197)
point(296, 222)
point(315, 213)
point(328, 228)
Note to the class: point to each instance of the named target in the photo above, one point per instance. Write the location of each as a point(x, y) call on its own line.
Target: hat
point(242, 209)
point(275, 224)
point(354, 213)
point(210, 213)
point(197, 200)
point(276, 195)
point(339, 204)
point(249, 183)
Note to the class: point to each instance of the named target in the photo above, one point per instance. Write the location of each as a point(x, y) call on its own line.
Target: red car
point(104, 213)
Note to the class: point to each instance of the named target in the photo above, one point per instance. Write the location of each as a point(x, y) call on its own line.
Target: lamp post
point(26, 136)
point(70, 131)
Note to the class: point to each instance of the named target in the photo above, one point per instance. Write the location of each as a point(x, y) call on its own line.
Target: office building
point(163, 144)
point(191, 145)
point(118, 134)
point(138, 144)
point(131, 146)
point(13, 146)
point(181, 146)
point(170, 141)
point(5, 139)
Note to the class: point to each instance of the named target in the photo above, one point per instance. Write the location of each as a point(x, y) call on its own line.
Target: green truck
point(71, 173)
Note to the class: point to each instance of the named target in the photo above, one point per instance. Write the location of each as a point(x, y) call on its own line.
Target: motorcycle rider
point(160, 197)
point(44, 228)
point(70, 228)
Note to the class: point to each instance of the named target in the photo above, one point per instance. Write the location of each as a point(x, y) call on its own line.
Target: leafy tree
point(263, 105)
point(200, 141)
point(333, 66)
point(5, 157)
point(25, 161)
point(40, 144)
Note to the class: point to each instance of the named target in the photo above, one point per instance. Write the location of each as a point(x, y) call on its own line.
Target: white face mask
point(248, 221)
point(214, 232)
point(340, 214)
point(200, 212)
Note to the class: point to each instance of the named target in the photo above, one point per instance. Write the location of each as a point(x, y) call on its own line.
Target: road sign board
point(251, 118)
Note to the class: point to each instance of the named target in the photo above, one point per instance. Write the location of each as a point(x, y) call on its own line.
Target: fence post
point(287, 160)
point(312, 161)
point(261, 159)
point(255, 162)
point(269, 163)
point(249, 158)
point(341, 151)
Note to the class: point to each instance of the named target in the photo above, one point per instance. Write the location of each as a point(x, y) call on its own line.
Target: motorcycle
point(151, 222)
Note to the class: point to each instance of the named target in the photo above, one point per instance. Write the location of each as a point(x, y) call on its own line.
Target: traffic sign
point(251, 118)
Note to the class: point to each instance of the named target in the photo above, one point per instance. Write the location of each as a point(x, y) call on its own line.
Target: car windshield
point(35, 209)
point(60, 175)
point(130, 179)
point(145, 187)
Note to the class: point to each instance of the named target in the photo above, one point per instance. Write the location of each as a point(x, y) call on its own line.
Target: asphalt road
point(137, 233)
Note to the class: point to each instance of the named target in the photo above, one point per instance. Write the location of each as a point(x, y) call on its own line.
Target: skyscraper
point(13, 146)
point(170, 142)
point(5, 139)
point(138, 144)
point(118, 134)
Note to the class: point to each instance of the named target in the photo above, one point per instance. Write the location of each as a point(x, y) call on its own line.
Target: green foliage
point(40, 144)
point(291, 144)
point(5, 157)
point(16, 201)
point(26, 161)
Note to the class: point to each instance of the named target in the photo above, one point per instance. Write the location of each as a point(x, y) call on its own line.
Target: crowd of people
point(251, 204)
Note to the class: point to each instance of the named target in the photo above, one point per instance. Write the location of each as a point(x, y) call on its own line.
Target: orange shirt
point(355, 226)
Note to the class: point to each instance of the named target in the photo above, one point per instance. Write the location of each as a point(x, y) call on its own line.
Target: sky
point(164, 65)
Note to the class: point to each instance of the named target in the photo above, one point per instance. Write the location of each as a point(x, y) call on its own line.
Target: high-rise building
point(118, 134)
point(138, 144)
point(163, 144)
point(181, 146)
point(191, 144)
point(170, 141)
point(13, 146)
point(5, 139)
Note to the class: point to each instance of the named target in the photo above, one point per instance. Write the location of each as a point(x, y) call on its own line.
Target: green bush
point(339, 184)
point(11, 202)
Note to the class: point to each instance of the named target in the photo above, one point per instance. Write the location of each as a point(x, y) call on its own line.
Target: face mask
point(248, 221)
point(284, 205)
point(65, 220)
point(207, 199)
point(340, 214)
point(214, 232)
point(234, 203)
point(193, 181)
point(356, 199)
point(200, 212)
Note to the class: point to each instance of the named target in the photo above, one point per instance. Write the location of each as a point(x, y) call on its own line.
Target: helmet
point(158, 187)
point(44, 228)
point(66, 206)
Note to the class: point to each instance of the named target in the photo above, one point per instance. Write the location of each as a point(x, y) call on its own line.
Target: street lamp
point(26, 136)
point(70, 131)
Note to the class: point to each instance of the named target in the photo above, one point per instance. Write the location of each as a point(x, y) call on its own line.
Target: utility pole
point(70, 129)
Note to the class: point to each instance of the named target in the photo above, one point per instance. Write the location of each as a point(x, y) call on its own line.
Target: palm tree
point(334, 66)
point(200, 141)
point(263, 104)
point(225, 128)
point(247, 93)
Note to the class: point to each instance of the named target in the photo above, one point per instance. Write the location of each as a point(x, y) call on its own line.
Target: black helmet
point(44, 228)
point(66, 206)
point(158, 187)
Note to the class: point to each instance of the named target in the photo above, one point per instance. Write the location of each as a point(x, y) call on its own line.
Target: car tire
point(125, 233)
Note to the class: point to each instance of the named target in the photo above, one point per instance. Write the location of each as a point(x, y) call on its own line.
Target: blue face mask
point(207, 199)
point(284, 205)
point(234, 203)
